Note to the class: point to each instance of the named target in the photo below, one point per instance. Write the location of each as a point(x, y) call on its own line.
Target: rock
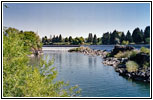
point(88, 51)
point(121, 66)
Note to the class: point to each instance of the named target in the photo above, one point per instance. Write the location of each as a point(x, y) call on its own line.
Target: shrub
point(146, 65)
point(147, 40)
point(21, 80)
point(125, 42)
point(145, 50)
point(133, 53)
point(131, 66)
point(126, 54)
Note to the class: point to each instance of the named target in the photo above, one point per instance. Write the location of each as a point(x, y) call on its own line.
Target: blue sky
point(76, 19)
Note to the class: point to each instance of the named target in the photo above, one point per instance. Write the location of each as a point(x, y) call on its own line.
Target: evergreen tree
point(95, 39)
point(98, 40)
point(122, 37)
point(53, 39)
point(57, 39)
point(114, 38)
point(147, 35)
point(137, 36)
point(70, 39)
point(60, 38)
point(129, 37)
point(66, 39)
point(106, 38)
point(90, 38)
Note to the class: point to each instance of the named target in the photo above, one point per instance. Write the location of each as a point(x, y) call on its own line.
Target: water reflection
point(95, 79)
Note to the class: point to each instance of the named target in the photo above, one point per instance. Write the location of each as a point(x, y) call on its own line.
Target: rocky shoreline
point(36, 52)
point(88, 51)
point(120, 63)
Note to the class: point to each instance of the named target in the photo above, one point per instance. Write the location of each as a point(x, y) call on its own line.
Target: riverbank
point(36, 52)
point(119, 57)
point(61, 45)
point(88, 51)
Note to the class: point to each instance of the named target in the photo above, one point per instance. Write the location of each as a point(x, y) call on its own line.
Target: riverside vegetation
point(22, 80)
point(126, 60)
point(116, 37)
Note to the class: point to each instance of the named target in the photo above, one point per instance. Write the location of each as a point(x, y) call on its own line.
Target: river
point(94, 78)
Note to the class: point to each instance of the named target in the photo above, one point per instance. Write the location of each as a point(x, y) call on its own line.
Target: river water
point(94, 78)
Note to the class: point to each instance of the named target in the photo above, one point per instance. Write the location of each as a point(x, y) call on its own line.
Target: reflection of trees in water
point(34, 61)
point(92, 61)
point(135, 83)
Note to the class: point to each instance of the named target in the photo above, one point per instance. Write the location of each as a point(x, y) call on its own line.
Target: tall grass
point(126, 54)
point(145, 50)
point(132, 66)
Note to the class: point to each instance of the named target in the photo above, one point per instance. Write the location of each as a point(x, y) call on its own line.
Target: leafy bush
point(145, 50)
point(126, 54)
point(21, 80)
point(131, 66)
point(146, 65)
point(125, 42)
point(147, 40)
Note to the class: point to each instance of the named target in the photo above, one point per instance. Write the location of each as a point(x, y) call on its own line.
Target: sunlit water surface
point(94, 78)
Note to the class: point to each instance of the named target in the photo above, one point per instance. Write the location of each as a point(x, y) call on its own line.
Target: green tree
point(147, 35)
point(60, 38)
point(78, 41)
point(21, 80)
point(66, 39)
point(137, 36)
point(70, 39)
point(114, 38)
point(90, 38)
point(106, 38)
point(95, 39)
point(129, 37)
point(81, 39)
point(56, 39)
point(123, 38)
point(98, 40)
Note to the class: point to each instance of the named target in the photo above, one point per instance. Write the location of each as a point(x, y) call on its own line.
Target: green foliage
point(126, 54)
point(90, 38)
point(21, 80)
point(115, 37)
point(125, 42)
point(147, 35)
point(106, 38)
point(129, 37)
point(131, 66)
point(66, 39)
point(122, 38)
point(147, 40)
point(78, 41)
point(146, 65)
point(137, 36)
point(95, 40)
point(109, 55)
point(31, 40)
point(70, 39)
point(60, 38)
point(145, 50)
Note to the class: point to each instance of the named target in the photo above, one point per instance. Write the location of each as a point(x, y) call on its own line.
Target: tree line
point(116, 37)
